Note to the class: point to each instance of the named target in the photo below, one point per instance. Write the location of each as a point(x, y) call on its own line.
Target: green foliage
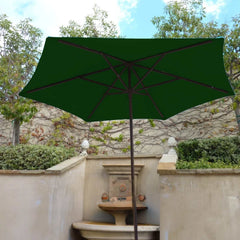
point(94, 149)
point(202, 164)
point(208, 153)
point(99, 139)
point(106, 128)
point(92, 129)
point(151, 123)
point(60, 125)
point(24, 138)
point(187, 19)
point(95, 25)
point(214, 111)
point(19, 53)
point(140, 131)
point(124, 150)
point(181, 19)
point(137, 143)
point(118, 139)
point(64, 121)
point(32, 157)
point(18, 59)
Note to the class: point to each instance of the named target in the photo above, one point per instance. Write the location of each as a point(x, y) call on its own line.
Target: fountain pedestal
point(120, 210)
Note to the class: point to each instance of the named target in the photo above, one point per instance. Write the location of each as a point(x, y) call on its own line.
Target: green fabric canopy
point(179, 74)
point(104, 79)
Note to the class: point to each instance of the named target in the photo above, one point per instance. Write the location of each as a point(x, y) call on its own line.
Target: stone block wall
point(54, 127)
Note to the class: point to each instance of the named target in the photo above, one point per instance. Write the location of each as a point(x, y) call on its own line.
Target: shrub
point(209, 153)
point(202, 163)
point(32, 157)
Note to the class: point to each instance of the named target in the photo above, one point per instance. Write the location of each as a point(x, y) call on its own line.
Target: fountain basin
point(120, 206)
point(107, 231)
point(120, 209)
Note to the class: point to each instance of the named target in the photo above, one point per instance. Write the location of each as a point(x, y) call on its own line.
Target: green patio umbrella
point(104, 79)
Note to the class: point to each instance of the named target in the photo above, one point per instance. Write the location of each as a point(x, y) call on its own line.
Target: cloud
point(49, 15)
point(211, 7)
point(168, 1)
point(214, 8)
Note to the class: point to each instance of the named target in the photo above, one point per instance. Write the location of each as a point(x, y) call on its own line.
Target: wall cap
point(57, 169)
point(117, 157)
point(209, 171)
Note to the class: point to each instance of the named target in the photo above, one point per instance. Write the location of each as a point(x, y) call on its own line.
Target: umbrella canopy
point(104, 79)
point(91, 77)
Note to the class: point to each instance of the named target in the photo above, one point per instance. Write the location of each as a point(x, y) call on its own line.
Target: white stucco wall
point(200, 204)
point(188, 204)
point(42, 205)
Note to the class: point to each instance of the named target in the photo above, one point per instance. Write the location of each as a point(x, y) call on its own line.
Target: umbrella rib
point(74, 78)
point(101, 70)
point(70, 79)
point(148, 94)
point(102, 84)
point(91, 50)
point(183, 78)
point(118, 93)
point(113, 69)
point(205, 85)
point(105, 94)
point(126, 92)
point(158, 84)
point(172, 51)
point(140, 59)
point(140, 80)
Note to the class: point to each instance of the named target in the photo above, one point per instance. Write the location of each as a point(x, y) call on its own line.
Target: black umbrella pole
point(132, 169)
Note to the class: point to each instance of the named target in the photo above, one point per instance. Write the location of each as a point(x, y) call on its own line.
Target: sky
point(133, 17)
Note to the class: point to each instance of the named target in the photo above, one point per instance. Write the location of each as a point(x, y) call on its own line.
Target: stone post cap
point(85, 146)
point(172, 142)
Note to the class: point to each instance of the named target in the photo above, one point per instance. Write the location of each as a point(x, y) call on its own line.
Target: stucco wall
point(200, 204)
point(42, 205)
point(96, 183)
point(188, 204)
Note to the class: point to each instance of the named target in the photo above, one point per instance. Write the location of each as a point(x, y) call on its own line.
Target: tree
point(19, 52)
point(187, 19)
point(95, 25)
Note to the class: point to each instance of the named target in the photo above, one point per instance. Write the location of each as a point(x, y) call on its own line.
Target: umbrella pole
point(132, 168)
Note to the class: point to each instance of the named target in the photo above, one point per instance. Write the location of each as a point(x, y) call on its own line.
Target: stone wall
point(54, 127)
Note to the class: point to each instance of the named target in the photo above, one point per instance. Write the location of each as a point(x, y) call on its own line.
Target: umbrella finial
point(85, 146)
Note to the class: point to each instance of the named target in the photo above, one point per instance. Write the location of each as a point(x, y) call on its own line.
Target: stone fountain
point(118, 202)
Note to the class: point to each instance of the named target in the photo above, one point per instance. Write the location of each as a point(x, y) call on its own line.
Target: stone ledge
point(22, 172)
point(57, 169)
point(118, 157)
point(65, 165)
point(168, 169)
